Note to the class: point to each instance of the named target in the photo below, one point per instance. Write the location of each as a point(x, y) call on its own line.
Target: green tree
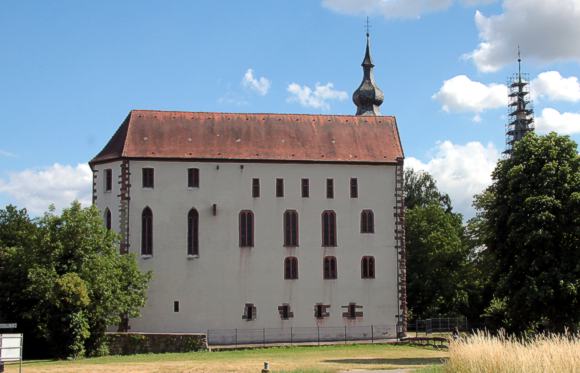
point(530, 224)
point(436, 261)
point(437, 254)
point(71, 278)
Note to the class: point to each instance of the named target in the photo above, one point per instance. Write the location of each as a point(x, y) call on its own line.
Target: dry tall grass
point(483, 353)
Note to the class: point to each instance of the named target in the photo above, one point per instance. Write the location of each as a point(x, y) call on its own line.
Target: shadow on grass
point(381, 361)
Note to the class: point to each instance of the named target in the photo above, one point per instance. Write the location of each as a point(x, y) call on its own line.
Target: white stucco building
point(260, 220)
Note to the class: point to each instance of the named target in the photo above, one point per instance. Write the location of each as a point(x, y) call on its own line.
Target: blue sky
point(70, 72)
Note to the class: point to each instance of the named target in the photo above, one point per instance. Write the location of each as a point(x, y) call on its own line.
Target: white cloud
point(546, 30)
point(4, 153)
point(394, 8)
point(387, 8)
point(260, 85)
point(57, 184)
point(317, 98)
point(461, 94)
point(460, 170)
point(562, 123)
point(554, 87)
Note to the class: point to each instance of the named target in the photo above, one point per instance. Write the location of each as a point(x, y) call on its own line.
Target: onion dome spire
point(368, 96)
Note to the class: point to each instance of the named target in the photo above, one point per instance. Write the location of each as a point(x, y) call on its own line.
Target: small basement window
point(285, 313)
point(321, 310)
point(351, 311)
point(249, 312)
point(176, 306)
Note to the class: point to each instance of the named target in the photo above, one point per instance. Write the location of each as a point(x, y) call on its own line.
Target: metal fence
point(438, 325)
point(235, 337)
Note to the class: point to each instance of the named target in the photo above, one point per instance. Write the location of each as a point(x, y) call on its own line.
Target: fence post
point(318, 333)
point(236, 337)
point(345, 334)
point(291, 337)
point(264, 336)
point(372, 334)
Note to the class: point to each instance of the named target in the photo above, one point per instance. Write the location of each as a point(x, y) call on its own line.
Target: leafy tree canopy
point(63, 278)
point(530, 223)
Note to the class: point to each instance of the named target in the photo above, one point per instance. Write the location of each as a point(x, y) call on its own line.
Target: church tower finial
point(368, 96)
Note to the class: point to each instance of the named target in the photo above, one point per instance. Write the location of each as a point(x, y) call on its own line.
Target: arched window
point(192, 232)
point(291, 268)
point(290, 228)
point(367, 267)
point(329, 267)
point(107, 218)
point(147, 232)
point(246, 228)
point(367, 221)
point(328, 228)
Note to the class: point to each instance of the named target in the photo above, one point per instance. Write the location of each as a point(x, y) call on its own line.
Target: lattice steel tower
point(521, 113)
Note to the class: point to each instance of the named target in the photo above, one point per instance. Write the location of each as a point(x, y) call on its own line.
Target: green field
point(282, 359)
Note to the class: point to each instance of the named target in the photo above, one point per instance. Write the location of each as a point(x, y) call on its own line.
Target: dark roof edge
point(399, 138)
point(94, 162)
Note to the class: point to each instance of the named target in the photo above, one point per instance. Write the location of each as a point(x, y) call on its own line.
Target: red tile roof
point(254, 137)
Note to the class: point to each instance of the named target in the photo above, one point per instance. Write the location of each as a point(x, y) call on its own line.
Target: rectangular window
point(148, 178)
point(353, 187)
point(176, 306)
point(249, 312)
point(329, 188)
point(279, 187)
point(328, 228)
point(351, 311)
point(285, 312)
point(290, 228)
point(193, 177)
point(108, 180)
point(246, 228)
point(321, 310)
point(255, 188)
point(329, 270)
point(305, 188)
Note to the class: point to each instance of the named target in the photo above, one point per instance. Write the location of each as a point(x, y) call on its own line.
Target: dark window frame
point(330, 188)
point(353, 187)
point(285, 311)
point(148, 175)
point(193, 177)
point(291, 231)
point(175, 306)
point(279, 187)
point(147, 232)
point(367, 267)
point(108, 180)
point(367, 221)
point(108, 220)
point(193, 233)
point(329, 233)
point(330, 271)
point(246, 228)
point(291, 268)
point(351, 312)
point(321, 311)
point(249, 312)
point(305, 186)
point(255, 188)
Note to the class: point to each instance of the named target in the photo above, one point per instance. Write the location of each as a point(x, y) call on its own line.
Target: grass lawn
point(282, 359)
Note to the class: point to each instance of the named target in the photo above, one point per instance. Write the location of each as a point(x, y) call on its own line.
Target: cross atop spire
point(519, 64)
point(368, 26)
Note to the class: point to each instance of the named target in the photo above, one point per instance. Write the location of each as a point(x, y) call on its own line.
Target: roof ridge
point(244, 113)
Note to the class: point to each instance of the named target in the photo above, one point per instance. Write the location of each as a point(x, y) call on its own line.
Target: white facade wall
point(213, 288)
